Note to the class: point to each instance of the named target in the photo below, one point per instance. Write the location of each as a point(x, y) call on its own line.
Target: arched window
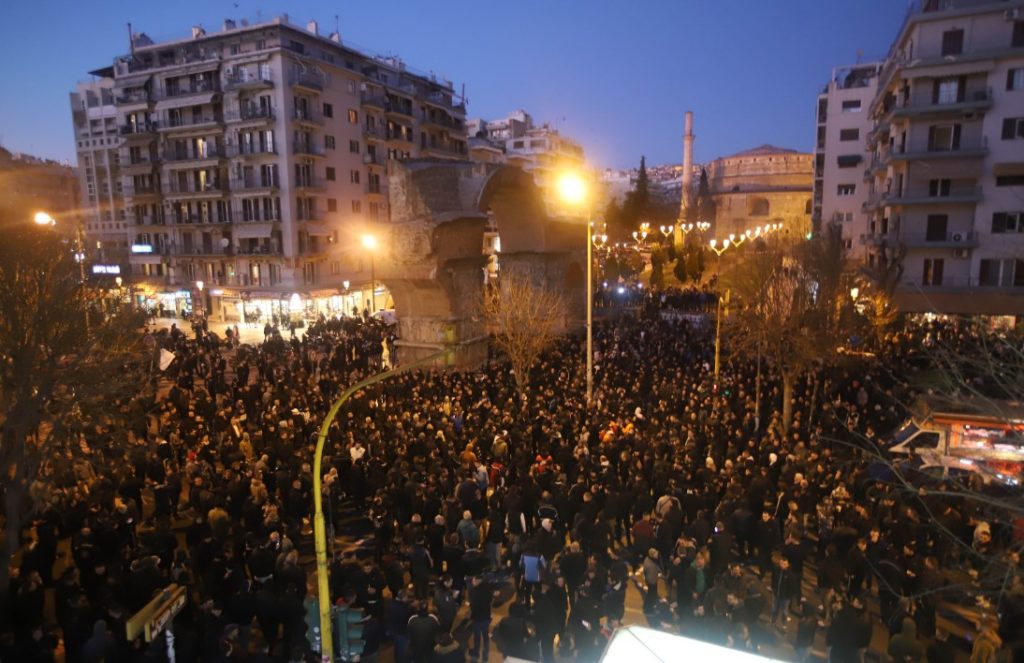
point(758, 207)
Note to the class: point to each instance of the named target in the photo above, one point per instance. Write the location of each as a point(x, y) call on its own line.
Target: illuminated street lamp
point(44, 219)
point(370, 244)
point(573, 192)
point(666, 231)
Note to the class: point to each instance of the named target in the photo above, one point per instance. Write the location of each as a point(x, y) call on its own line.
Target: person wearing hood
point(904, 647)
point(448, 650)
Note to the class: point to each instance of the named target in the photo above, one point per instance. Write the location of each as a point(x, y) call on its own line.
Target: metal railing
point(309, 183)
point(248, 79)
point(245, 184)
point(194, 187)
point(305, 115)
point(249, 151)
point(185, 121)
point(138, 96)
point(249, 113)
point(307, 148)
point(211, 152)
point(371, 99)
point(139, 128)
point(200, 87)
point(306, 79)
point(145, 190)
point(964, 238)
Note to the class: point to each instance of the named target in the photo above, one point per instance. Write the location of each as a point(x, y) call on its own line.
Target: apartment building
point(946, 176)
point(252, 159)
point(843, 123)
point(538, 149)
point(98, 144)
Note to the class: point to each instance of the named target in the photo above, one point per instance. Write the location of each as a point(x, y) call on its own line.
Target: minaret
point(684, 201)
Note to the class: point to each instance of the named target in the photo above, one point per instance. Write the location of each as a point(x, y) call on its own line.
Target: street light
point(199, 286)
point(666, 231)
point(370, 244)
point(573, 191)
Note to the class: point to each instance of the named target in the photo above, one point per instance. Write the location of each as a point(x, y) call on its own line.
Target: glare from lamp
point(572, 189)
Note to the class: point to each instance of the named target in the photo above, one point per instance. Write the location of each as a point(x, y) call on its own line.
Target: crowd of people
point(471, 496)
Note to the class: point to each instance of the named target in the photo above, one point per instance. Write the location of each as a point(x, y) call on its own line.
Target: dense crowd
point(729, 526)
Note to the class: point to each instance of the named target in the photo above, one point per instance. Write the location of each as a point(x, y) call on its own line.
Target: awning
point(253, 230)
point(186, 100)
point(848, 160)
point(316, 229)
point(947, 70)
point(1008, 168)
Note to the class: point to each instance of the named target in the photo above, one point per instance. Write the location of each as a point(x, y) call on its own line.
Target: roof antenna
point(131, 41)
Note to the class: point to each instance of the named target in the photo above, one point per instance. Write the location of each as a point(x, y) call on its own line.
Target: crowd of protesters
point(732, 528)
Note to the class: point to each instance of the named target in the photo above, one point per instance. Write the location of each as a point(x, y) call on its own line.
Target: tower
point(685, 199)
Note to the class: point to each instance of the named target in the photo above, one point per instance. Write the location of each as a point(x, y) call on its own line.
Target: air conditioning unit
point(961, 253)
point(958, 237)
point(1012, 14)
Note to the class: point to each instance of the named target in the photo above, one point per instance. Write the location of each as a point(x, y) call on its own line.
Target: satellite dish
point(224, 241)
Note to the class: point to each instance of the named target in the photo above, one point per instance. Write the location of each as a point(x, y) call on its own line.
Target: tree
point(878, 284)
point(614, 220)
point(56, 372)
point(636, 208)
point(703, 208)
point(679, 270)
point(526, 319)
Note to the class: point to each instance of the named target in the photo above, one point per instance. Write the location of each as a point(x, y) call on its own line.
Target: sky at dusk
point(615, 75)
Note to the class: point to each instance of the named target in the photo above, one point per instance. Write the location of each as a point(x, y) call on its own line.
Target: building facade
point(538, 149)
point(840, 160)
point(946, 176)
point(763, 185)
point(253, 159)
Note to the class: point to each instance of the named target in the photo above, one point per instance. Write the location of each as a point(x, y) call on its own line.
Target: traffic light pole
point(319, 529)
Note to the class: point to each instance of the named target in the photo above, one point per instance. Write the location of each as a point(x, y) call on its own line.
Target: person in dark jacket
point(448, 650)
point(849, 633)
point(905, 647)
point(423, 629)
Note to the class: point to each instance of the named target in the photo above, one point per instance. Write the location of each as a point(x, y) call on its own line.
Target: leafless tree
point(526, 319)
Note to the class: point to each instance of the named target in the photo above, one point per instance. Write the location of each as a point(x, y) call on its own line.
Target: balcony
point(199, 88)
point(307, 149)
point(966, 150)
point(974, 100)
point(249, 81)
point(373, 160)
point(250, 151)
point(962, 195)
point(401, 110)
point(195, 188)
point(304, 116)
point(137, 165)
point(250, 114)
point(877, 134)
point(208, 250)
point(211, 153)
point(372, 100)
point(307, 80)
point(309, 183)
point(255, 184)
point(260, 250)
point(195, 220)
point(399, 136)
point(138, 191)
point(890, 238)
point(142, 129)
point(373, 133)
point(443, 122)
point(134, 97)
point(126, 65)
point(964, 239)
point(191, 123)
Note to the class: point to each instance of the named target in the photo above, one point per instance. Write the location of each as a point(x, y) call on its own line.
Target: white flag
point(166, 357)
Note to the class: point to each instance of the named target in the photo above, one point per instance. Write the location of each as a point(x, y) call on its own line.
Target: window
point(1008, 222)
point(938, 188)
point(353, 177)
point(329, 142)
point(350, 85)
point(1010, 180)
point(943, 138)
point(952, 42)
point(848, 160)
point(353, 146)
point(1007, 272)
point(846, 189)
point(1018, 34)
point(328, 110)
point(1015, 79)
point(936, 231)
point(357, 206)
point(353, 116)
point(947, 91)
point(851, 106)
point(517, 144)
point(849, 134)
point(932, 272)
point(332, 204)
point(1013, 127)
point(330, 174)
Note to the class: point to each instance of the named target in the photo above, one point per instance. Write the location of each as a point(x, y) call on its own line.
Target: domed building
point(767, 184)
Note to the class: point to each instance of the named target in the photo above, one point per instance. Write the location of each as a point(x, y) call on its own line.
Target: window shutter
point(935, 91)
point(961, 88)
point(1009, 79)
point(956, 136)
point(1009, 128)
point(931, 138)
point(999, 222)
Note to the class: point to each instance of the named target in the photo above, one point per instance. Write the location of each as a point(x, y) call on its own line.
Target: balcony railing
point(189, 155)
point(375, 100)
point(249, 151)
point(306, 80)
point(259, 250)
point(952, 239)
point(130, 65)
point(308, 148)
point(203, 250)
point(180, 188)
point(877, 239)
point(146, 221)
point(249, 80)
point(254, 183)
point(398, 109)
point(309, 183)
point(305, 115)
point(957, 194)
point(980, 99)
point(196, 220)
point(398, 135)
point(954, 282)
point(141, 190)
point(373, 159)
point(139, 128)
point(249, 113)
point(186, 121)
point(373, 132)
point(200, 87)
point(924, 150)
point(134, 97)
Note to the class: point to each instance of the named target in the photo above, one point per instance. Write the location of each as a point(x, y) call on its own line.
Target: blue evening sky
point(615, 74)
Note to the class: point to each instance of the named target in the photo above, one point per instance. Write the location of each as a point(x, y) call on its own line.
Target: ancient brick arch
point(434, 264)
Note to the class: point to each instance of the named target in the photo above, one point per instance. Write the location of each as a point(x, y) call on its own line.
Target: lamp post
point(718, 318)
point(370, 243)
point(573, 191)
point(44, 219)
point(666, 231)
point(199, 286)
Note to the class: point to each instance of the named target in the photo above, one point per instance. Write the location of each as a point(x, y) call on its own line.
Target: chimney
point(685, 202)
point(313, 28)
point(197, 31)
point(228, 25)
point(335, 37)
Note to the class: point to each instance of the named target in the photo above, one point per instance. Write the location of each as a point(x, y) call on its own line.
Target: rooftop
point(763, 150)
